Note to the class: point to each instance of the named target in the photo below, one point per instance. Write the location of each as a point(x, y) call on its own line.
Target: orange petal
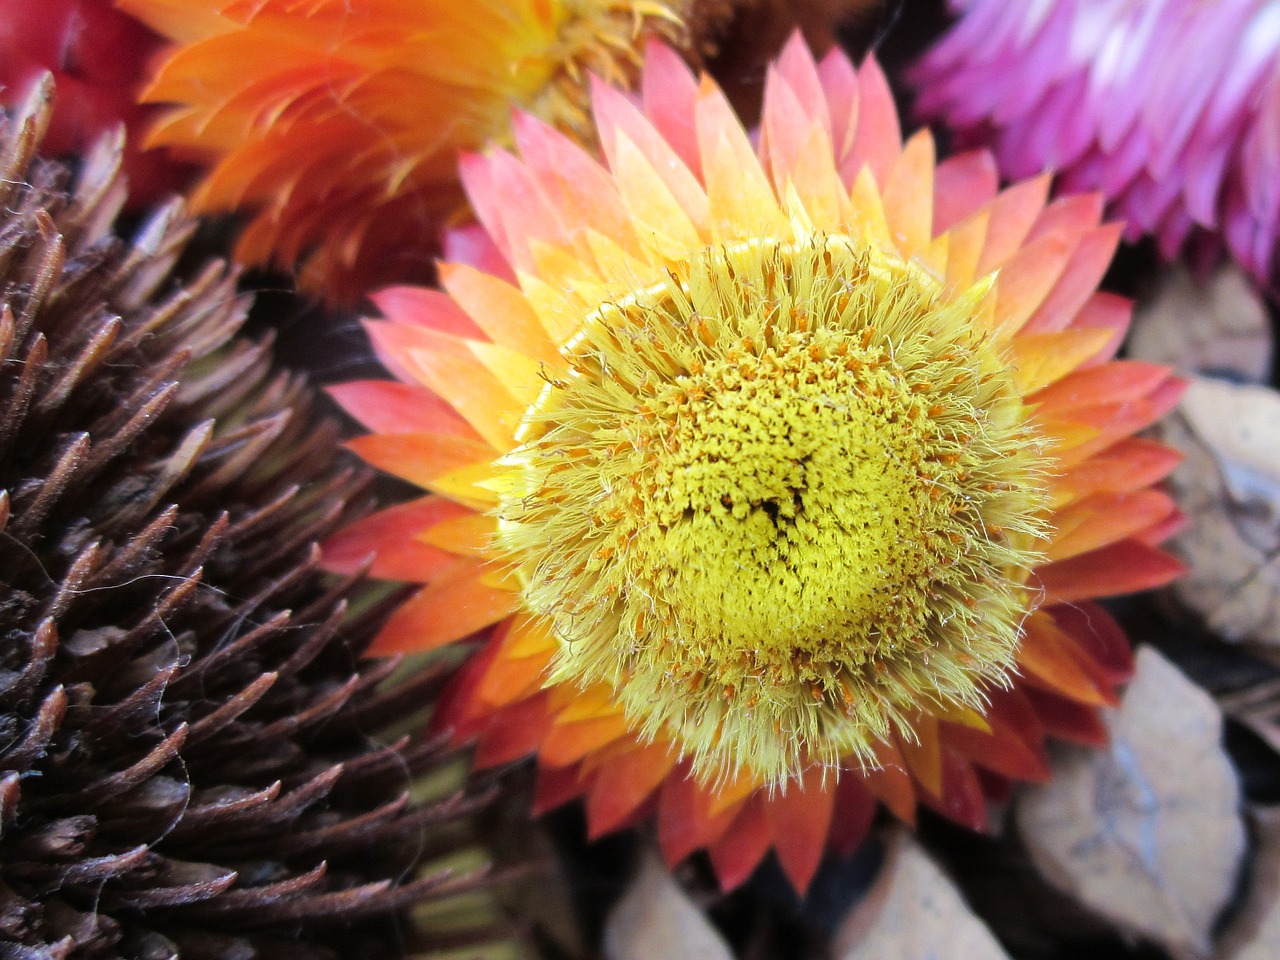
point(390, 537)
point(1048, 656)
point(478, 396)
point(908, 196)
point(892, 784)
point(454, 605)
point(567, 743)
point(623, 784)
point(1041, 359)
point(1011, 215)
point(1002, 750)
point(1105, 518)
point(1124, 567)
point(1026, 278)
point(420, 458)
point(923, 755)
point(1112, 382)
point(1099, 637)
point(800, 819)
point(499, 308)
point(1130, 464)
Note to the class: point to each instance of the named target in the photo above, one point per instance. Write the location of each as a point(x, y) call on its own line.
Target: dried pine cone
point(189, 753)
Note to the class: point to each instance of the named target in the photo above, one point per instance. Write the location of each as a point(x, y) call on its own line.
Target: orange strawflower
point(784, 475)
point(336, 123)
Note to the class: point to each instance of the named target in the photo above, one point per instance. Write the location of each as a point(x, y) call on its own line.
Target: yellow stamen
point(791, 474)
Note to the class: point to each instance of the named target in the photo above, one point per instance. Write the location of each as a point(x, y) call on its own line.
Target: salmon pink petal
point(670, 91)
point(1083, 272)
point(472, 244)
point(840, 86)
point(425, 308)
point(878, 140)
point(390, 539)
point(1119, 381)
point(384, 406)
point(962, 185)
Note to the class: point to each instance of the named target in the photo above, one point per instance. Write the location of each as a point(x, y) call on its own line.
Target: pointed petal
point(1047, 657)
point(384, 406)
point(800, 819)
point(623, 784)
point(1105, 518)
point(390, 537)
point(962, 185)
point(1124, 567)
point(908, 196)
point(499, 308)
point(454, 605)
point(420, 458)
point(1041, 359)
point(742, 846)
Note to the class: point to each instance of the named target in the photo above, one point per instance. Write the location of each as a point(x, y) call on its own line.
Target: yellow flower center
point(783, 502)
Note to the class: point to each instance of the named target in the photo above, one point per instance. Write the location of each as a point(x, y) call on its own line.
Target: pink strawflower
point(1169, 107)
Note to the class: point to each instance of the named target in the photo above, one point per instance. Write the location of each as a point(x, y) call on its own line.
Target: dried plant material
point(196, 758)
point(1148, 832)
point(656, 920)
point(914, 912)
point(1255, 933)
point(1217, 327)
point(1230, 483)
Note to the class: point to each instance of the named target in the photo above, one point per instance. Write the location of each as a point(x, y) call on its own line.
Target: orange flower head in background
point(786, 473)
point(335, 124)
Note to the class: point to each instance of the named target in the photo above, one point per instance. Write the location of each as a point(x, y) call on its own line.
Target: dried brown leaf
point(914, 912)
point(656, 920)
point(1147, 832)
point(1230, 485)
point(1255, 933)
point(1219, 326)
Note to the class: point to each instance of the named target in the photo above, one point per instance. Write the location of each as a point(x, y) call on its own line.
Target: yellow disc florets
point(782, 503)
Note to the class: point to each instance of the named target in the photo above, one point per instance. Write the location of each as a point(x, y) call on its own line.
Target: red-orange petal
point(742, 846)
point(455, 605)
point(800, 819)
point(625, 782)
point(1125, 567)
point(390, 538)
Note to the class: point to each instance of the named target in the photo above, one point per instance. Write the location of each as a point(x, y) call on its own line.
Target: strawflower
point(1171, 108)
point(786, 474)
point(335, 124)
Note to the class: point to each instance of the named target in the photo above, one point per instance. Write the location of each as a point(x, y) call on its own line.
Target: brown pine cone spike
point(190, 753)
